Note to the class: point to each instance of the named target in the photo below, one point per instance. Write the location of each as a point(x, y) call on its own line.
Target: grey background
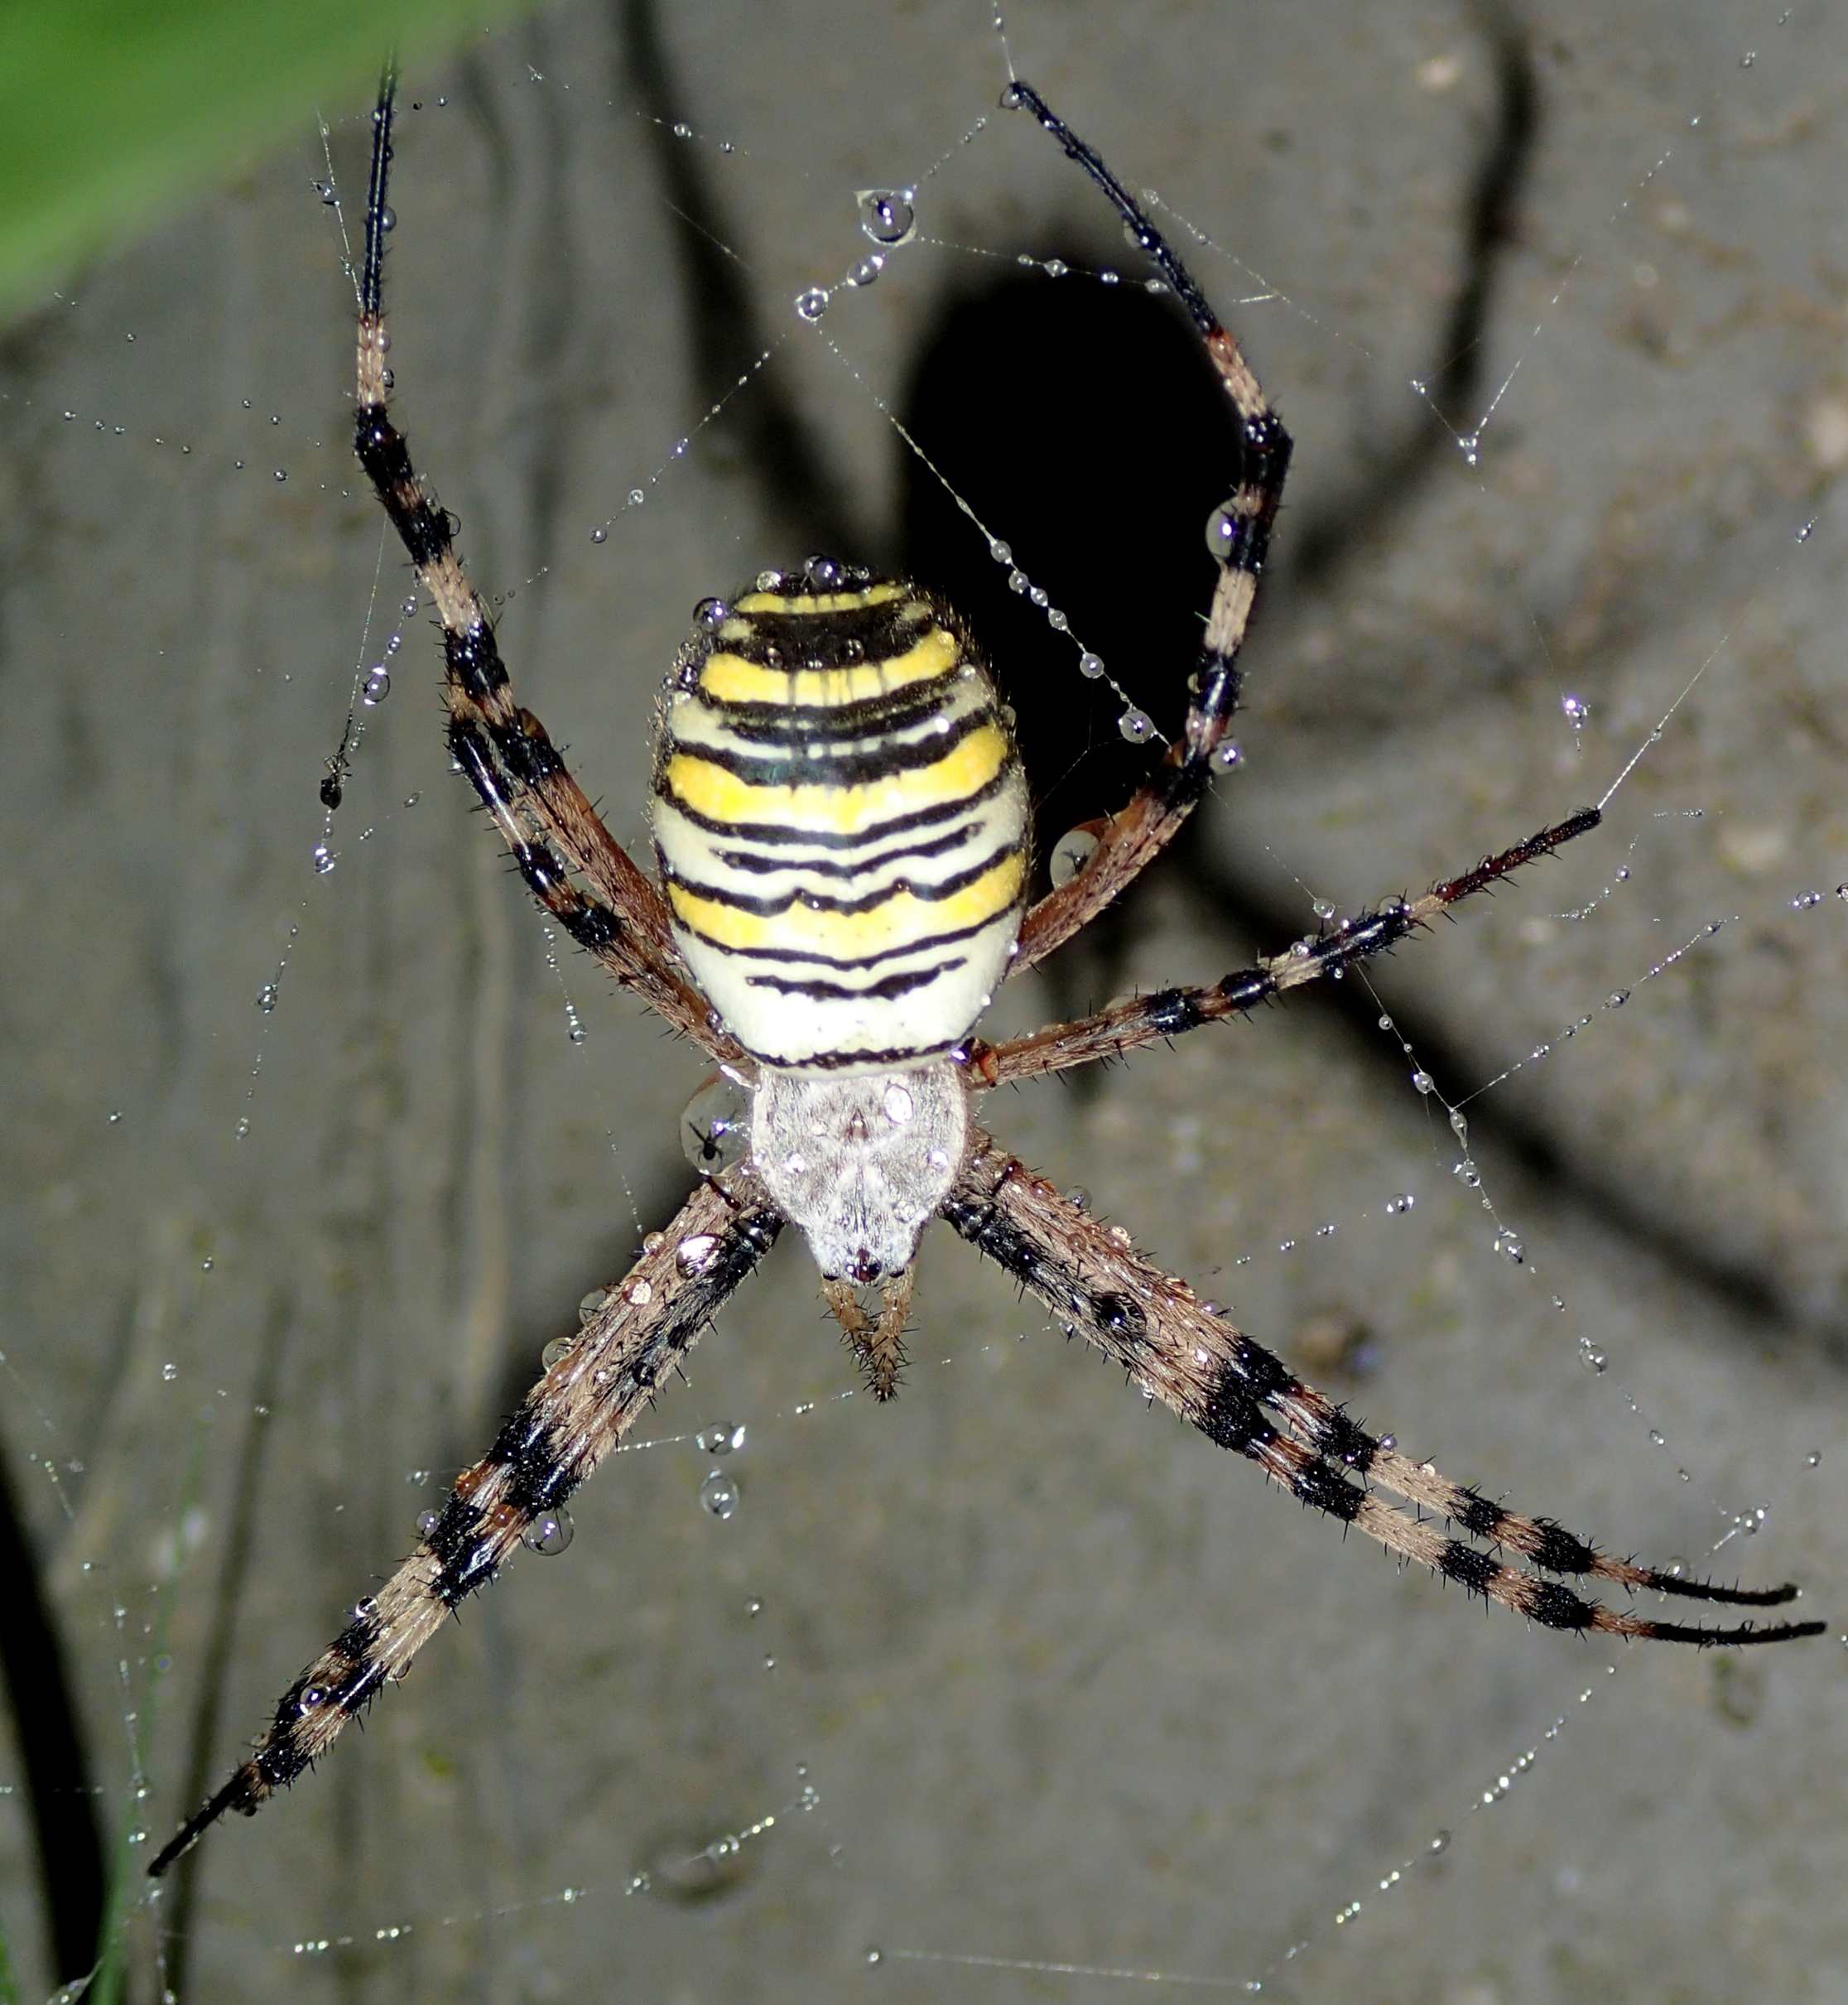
point(1070, 1687)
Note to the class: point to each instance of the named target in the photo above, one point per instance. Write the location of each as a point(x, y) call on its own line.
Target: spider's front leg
point(1238, 1394)
point(549, 826)
point(1239, 535)
point(570, 1419)
point(1166, 1013)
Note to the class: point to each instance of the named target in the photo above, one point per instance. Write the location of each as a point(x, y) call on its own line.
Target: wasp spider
point(840, 824)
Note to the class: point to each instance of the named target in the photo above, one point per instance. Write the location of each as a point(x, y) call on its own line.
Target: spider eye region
point(860, 1163)
point(840, 821)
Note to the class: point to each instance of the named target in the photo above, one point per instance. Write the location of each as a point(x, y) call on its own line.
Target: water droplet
point(1509, 1246)
point(169, 1371)
point(887, 214)
point(715, 1126)
point(638, 1293)
point(1136, 726)
point(1070, 853)
point(323, 859)
point(1467, 1173)
point(1577, 710)
point(721, 1438)
point(1091, 666)
point(1813, 1460)
point(1657, 1438)
point(694, 1253)
point(867, 270)
point(600, 534)
point(682, 130)
point(719, 1494)
point(1616, 999)
point(592, 1304)
point(559, 1347)
point(1422, 1082)
point(1225, 528)
point(1806, 530)
point(1228, 755)
point(875, 1955)
point(1748, 59)
point(427, 1522)
point(266, 997)
point(811, 302)
point(549, 1533)
point(378, 686)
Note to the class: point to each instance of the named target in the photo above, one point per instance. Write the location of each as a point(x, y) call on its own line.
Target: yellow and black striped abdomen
point(840, 820)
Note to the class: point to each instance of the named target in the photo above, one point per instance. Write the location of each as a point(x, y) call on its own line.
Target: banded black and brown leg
point(602, 1378)
point(1181, 1352)
point(1239, 536)
point(555, 835)
point(1166, 1013)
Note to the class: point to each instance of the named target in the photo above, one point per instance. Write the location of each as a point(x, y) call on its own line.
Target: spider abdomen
point(841, 824)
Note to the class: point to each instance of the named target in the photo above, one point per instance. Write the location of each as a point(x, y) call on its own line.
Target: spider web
point(1010, 1691)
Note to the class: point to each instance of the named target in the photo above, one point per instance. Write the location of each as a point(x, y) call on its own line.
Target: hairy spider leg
point(1134, 837)
point(547, 822)
point(1183, 1352)
point(574, 1415)
point(1166, 1013)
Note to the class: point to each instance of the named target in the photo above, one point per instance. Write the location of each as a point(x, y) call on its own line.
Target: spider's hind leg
point(554, 834)
point(1239, 535)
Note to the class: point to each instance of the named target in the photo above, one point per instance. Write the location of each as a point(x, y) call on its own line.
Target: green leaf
point(112, 111)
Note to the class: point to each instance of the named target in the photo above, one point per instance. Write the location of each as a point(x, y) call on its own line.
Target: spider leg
point(1144, 1019)
point(1131, 840)
point(543, 815)
point(570, 1421)
point(1236, 1393)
